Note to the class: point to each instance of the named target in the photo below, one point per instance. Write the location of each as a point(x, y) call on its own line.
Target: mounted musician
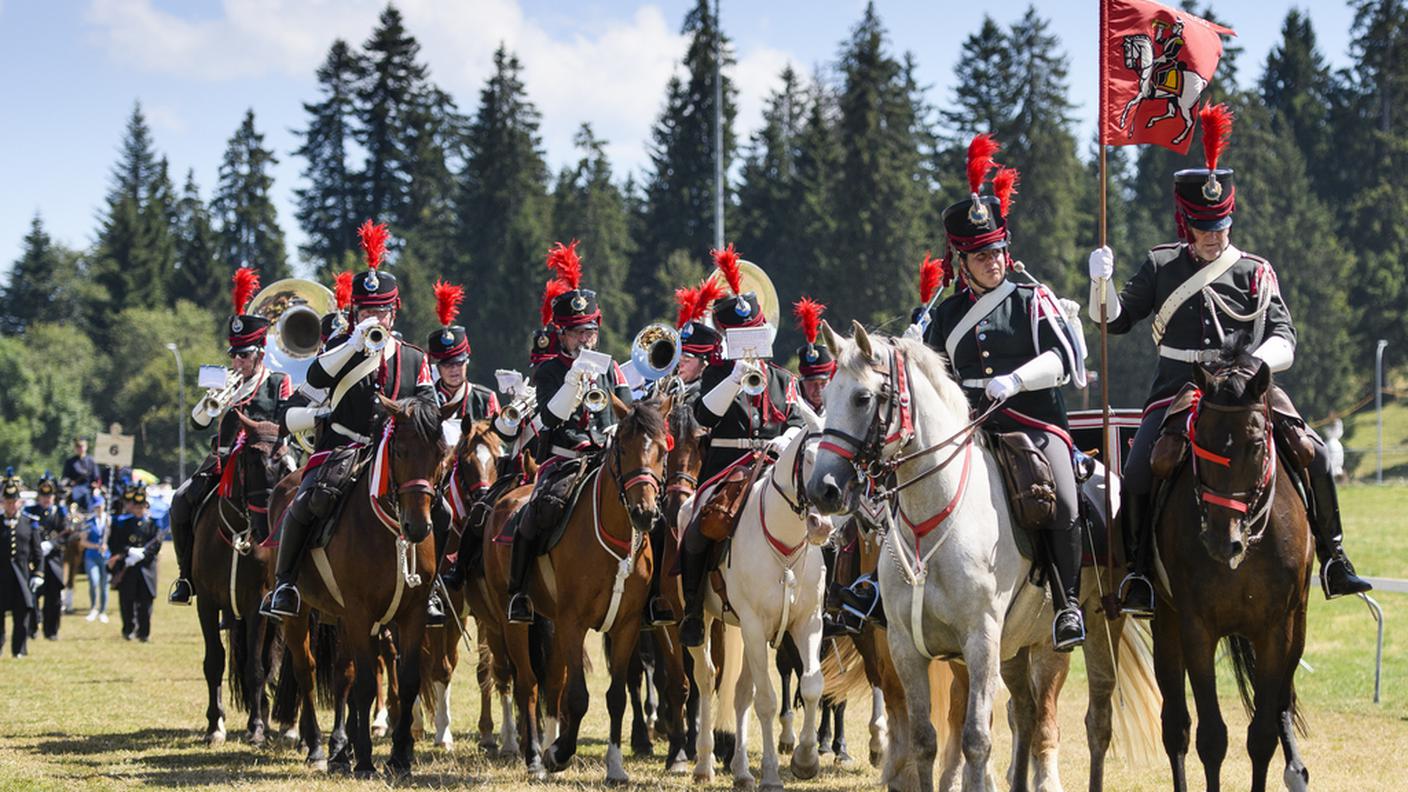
point(574, 390)
point(747, 406)
point(261, 395)
point(1201, 291)
point(367, 361)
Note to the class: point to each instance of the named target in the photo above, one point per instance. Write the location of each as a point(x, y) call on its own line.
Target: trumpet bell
point(656, 351)
point(376, 338)
point(596, 400)
point(754, 382)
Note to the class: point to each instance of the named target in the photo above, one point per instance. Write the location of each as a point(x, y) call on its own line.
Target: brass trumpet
point(595, 399)
point(755, 380)
point(376, 338)
point(216, 400)
point(520, 408)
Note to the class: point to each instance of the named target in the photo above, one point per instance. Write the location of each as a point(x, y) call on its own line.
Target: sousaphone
point(753, 279)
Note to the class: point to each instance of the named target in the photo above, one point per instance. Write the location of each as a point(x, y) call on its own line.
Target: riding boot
point(1064, 550)
point(860, 602)
point(285, 599)
point(1136, 591)
point(434, 609)
point(440, 529)
point(520, 606)
point(658, 611)
point(183, 538)
point(693, 571)
point(1337, 576)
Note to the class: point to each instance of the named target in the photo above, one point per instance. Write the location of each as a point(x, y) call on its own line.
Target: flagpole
point(1111, 604)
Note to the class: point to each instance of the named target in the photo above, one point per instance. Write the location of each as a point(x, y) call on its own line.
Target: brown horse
point(1243, 574)
point(375, 571)
point(597, 577)
point(229, 570)
point(473, 468)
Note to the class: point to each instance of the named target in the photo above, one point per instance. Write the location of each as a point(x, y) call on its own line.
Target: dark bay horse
point(375, 571)
point(229, 570)
point(1235, 561)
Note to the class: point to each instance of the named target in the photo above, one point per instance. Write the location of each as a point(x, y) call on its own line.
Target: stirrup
point(1139, 609)
point(434, 610)
point(659, 613)
point(1351, 582)
point(179, 587)
point(520, 609)
point(277, 612)
point(1070, 643)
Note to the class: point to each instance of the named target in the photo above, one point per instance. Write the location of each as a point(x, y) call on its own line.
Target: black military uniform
point(51, 521)
point(353, 376)
point(21, 569)
point(571, 434)
point(1013, 343)
point(135, 543)
point(264, 397)
point(1190, 326)
point(81, 475)
point(738, 424)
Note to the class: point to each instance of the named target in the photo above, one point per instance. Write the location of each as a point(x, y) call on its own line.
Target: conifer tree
point(199, 276)
point(243, 208)
point(385, 101)
point(328, 204)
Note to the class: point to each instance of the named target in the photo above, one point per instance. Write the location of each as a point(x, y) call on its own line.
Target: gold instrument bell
point(753, 279)
point(295, 309)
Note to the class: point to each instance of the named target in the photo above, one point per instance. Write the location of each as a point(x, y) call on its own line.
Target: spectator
point(95, 559)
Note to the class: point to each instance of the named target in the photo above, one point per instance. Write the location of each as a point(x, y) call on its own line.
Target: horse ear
point(667, 405)
point(829, 335)
point(619, 407)
point(390, 405)
point(1260, 382)
point(862, 340)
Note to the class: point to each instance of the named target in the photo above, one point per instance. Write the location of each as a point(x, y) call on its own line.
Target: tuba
point(656, 351)
point(295, 307)
point(755, 280)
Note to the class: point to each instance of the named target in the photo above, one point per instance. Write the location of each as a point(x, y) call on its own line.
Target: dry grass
point(94, 712)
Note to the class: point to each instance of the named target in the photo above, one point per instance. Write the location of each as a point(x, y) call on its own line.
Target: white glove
point(35, 583)
point(135, 555)
point(1069, 308)
point(740, 368)
point(1102, 263)
point(45, 547)
point(779, 444)
point(1002, 388)
point(358, 338)
point(914, 332)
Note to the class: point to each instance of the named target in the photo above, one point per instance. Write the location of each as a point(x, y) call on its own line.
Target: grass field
point(94, 712)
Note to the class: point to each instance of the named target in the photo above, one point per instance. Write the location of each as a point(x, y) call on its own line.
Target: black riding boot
point(658, 612)
point(860, 602)
point(440, 528)
point(1136, 591)
point(1337, 576)
point(285, 599)
point(183, 539)
point(1064, 549)
point(692, 574)
point(525, 550)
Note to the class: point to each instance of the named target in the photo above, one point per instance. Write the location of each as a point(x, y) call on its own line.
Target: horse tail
point(239, 658)
point(1243, 657)
point(325, 660)
point(286, 698)
point(539, 644)
point(843, 672)
point(1136, 704)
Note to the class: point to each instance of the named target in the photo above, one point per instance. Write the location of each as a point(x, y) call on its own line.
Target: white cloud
point(612, 75)
point(165, 118)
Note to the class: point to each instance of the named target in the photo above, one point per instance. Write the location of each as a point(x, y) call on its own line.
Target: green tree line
point(837, 195)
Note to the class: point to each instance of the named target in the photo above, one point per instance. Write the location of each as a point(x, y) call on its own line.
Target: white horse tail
point(940, 684)
point(1136, 704)
point(843, 671)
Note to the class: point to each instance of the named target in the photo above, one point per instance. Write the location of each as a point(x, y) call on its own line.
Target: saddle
point(336, 476)
point(1028, 480)
point(560, 491)
point(717, 519)
point(1292, 435)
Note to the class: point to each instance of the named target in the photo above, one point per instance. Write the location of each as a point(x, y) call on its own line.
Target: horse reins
point(1240, 502)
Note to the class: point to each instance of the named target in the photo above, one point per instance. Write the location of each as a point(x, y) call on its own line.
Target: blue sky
point(73, 70)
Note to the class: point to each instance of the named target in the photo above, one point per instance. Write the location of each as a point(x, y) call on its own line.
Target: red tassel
point(564, 261)
point(342, 290)
point(1004, 186)
point(551, 291)
point(447, 301)
point(1217, 130)
point(686, 299)
point(808, 313)
point(373, 236)
point(931, 271)
point(246, 283)
point(980, 154)
point(727, 262)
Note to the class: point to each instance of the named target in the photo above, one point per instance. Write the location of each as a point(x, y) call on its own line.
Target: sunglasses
point(245, 355)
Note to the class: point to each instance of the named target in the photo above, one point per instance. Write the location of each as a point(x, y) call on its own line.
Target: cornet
point(376, 338)
point(755, 380)
point(595, 398)
point(521, 407)
point(217, 399)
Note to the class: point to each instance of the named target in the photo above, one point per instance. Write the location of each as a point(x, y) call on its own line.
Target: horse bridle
point(641, 476)
point(1239, 501)
point(802, 503)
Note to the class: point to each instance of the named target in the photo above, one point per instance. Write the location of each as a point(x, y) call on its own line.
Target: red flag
point(1154, 64)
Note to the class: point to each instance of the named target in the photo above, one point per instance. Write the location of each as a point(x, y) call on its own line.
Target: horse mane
point(645, 421)
point(1235, 368)
point(923, 359)
point(423, 414)
point(682, 420)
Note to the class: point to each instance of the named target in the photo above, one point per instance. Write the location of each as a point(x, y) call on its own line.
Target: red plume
point(931, 272)
point(808, 313)
point(551, 291)
point(373, 236)
point(447, 301)
point(246, 283)
point(686, 299)
point(708, 291)
point(727, 262)
point(1004, 186)
point(342, 290)
point(563, 260)
point(980, 153)
point(1217, 129)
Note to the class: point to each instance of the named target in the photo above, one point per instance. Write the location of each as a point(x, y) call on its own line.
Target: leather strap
point(1196, 282)
point(984, 306)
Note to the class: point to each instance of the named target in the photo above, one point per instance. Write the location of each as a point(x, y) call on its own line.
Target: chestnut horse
point(1243, 574)
point(375, 571)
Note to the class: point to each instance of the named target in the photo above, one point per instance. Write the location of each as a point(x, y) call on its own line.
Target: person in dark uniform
point(815, 363)
point(449, 351)
point(262, 396)
point(353, 369)
point(1007, 341)
point(81, 475)
point(1201, 291)
point(739, 423)
point(51, 521)
point(21, 573)
point(135, 544)
point(573, 430)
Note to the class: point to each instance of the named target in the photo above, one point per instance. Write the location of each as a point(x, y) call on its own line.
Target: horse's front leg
point(1021, 717)
point(704, 672)
point(1169, 671)
point(749, 692)
point(625, 636)
point(1048, 676)
point(980, 654)
point(214, 666)
point(565, 668)
point(1199, 652)
point(806, 760)
point(1101, 644)
point(912, 668)
point(412, 634)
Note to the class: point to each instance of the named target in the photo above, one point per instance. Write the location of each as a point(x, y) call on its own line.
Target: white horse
point(774, 576)
point(1139, 56)
point(953, 579)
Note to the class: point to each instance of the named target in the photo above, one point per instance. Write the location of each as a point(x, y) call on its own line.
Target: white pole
point(180, 417)
point(1379, 402)
point(718, 131)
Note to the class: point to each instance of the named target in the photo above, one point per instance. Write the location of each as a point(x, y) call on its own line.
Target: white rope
point(623, 562)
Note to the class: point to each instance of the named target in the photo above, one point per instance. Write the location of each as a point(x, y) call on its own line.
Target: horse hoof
point(785, 747)
point(678, 767)
point(1297, 778)
point(364, 774)
point(844, 759)
point(804, 769)
point(876, 759)
point(489, 745)
point(644, 749)
point(335, 767)
point(537, 772)
point(317, 765)
point(770, 788)
point(622, 780)
point(215, 738)
point(703, 777)
point(743, 782)
point(378, 732)
point(395, 772)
